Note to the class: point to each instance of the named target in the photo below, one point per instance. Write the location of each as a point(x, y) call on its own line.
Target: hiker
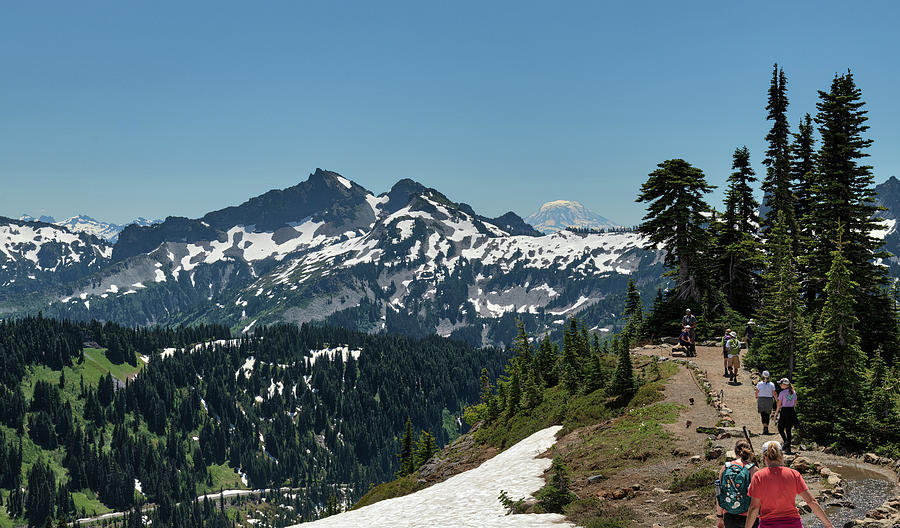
point(765, 400)
point(690, 322)
point(786, 412)
point(685, 340)
point(749, 330)
point(732, 501)
point(773, 492)
point(734, 356)
point(725, 339)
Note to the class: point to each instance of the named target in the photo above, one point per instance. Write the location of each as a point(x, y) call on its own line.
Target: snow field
point(468, 499)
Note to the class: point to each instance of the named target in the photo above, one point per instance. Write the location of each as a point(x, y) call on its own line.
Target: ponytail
point(743, 450)
point(772, 451)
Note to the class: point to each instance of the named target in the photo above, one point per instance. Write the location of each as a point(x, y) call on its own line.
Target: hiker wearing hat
point(685, 340)
point(773, 493)
point(734, 356)
point(689, 322)
point(725, 339)
point(786, 412)
point(765, 400)
point(749, 330)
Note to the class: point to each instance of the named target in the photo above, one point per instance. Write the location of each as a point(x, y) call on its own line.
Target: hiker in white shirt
point(765, 400)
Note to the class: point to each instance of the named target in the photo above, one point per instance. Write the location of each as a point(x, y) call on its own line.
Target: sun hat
point(733, 334)
point(767, 444)
point(687, 310)
point(784, 381)
point(688, 327)
point(765, 373)
point(750, 322)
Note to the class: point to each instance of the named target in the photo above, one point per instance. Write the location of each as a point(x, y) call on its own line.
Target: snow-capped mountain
point(560, 214)
point(43, 218)
point(409, 260)
point(98, 228)
point(35, 254)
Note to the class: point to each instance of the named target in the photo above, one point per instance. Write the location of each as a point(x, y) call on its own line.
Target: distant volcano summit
point(560, 214)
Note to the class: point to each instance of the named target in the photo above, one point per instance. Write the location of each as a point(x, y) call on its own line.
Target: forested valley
point(315, 409)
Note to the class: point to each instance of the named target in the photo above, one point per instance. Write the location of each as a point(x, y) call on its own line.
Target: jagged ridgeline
point(410, 261)
point(99, 417)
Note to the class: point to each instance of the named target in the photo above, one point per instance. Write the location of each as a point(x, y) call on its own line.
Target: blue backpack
point(731, 493)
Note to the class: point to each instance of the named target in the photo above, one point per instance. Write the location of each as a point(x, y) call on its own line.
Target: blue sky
point(119, 110)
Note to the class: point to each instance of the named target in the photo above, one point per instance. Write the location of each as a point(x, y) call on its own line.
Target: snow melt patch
point(330, 352)
point(470, 498)
point(343, 181)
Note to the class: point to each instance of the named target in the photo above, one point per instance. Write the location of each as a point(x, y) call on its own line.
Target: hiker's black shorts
point(733, 520)
point(725, 353)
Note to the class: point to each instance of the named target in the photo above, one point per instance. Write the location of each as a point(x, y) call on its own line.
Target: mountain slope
point(35, 255)
point(560, 214)
point(409, 260)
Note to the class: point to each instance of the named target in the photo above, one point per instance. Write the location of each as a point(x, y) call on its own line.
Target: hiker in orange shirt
point(773, 491)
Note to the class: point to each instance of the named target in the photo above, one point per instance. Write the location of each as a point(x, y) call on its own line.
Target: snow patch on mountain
point(470, 498)
point(559, 214)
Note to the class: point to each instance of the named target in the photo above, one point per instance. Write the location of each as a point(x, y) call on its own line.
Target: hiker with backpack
point(687, 342)
point(689, 323)
point(786, 412)
point(733, 346)
point(765, 400)
point(773, 492)
point(725, 339)
point(732, 501)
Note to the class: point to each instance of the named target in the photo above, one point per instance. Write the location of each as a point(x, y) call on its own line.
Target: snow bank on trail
point(467, 499)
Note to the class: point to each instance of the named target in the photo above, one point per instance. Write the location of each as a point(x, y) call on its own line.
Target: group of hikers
point(747, 496)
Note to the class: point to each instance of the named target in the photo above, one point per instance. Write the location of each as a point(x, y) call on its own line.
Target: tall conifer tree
point(776, 186)
point(844, 198)
point(835, 363)
point(634, 312)
point(783, 336)
point(738, 239)
point(674, 220)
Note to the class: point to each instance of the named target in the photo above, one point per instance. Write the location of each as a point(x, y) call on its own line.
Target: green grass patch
point(222, 477)
point(95, 358)
point(87, 501)
point(702, 478)
point(389, 490)
point(630, 441)
point(448, 424)
point(5, 521)
point(594, 513)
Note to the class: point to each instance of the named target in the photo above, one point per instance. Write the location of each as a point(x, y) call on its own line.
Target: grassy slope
point(639, 427)
point(95, 366)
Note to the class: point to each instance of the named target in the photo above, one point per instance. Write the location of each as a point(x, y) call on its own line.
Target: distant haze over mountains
point(560, 214)
point(85, 224)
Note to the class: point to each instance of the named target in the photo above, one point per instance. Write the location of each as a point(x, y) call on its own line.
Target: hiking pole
point(747, 436)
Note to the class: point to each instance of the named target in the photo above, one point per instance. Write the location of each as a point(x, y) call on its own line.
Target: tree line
point(805, 264)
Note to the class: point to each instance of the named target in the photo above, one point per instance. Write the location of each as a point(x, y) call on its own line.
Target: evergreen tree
point(623, 379)
point(675, 221)
point(776, 186)
point(738, 240)
point(425, 448)
point(882, 409)
point(40, 494)
point(831, 401)
point(844, 199)
point(634, 312)
point(406, 451)
point(803, 173)
point(783, 334)
point(533, 389)
point(514, 394)
point(571, 367)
